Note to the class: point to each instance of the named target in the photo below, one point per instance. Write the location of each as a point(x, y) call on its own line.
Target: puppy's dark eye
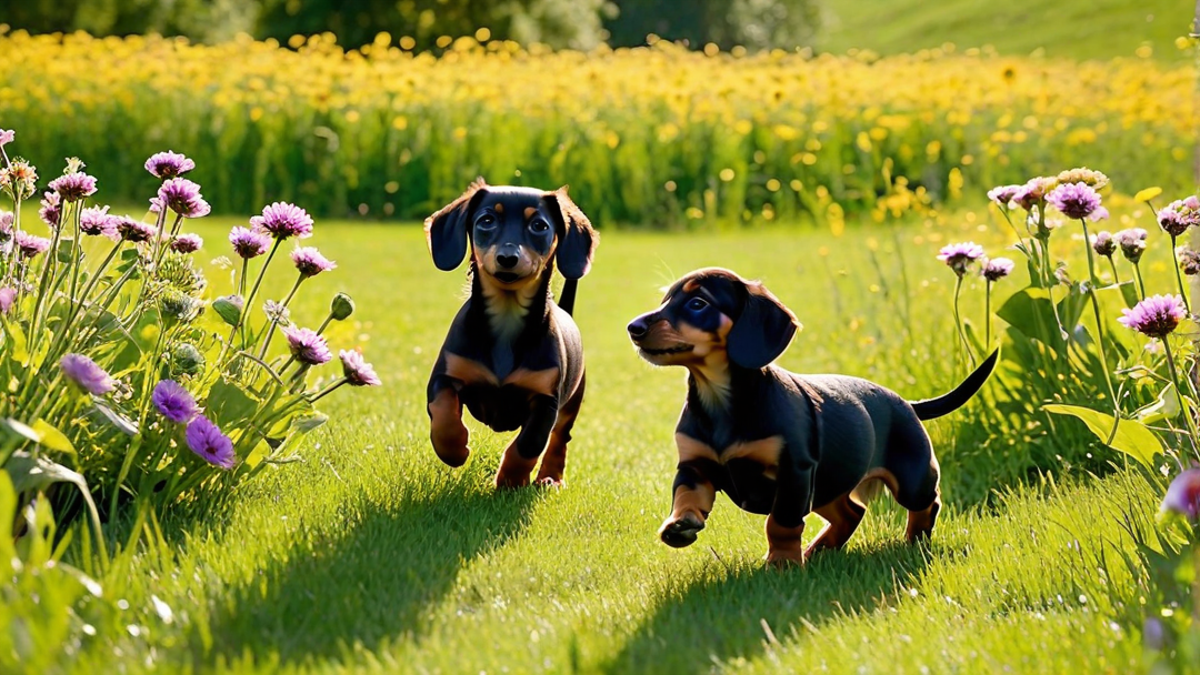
point(539, 226)
point(486, 220)
point(696, 304)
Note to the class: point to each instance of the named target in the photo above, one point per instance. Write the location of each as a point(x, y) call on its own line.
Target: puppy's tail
point(948, 403)
point(566, 299)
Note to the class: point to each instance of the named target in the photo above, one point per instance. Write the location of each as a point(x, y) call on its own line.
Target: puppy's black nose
point(637, 328)
point(507, 261)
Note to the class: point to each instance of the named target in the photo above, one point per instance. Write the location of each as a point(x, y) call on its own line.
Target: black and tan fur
point(781, 444)
point(513, 355)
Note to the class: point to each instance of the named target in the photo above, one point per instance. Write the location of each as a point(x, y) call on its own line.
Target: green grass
point(371, 556)
point(1078, 29)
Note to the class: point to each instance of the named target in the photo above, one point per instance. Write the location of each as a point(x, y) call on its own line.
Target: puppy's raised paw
point(681, 531)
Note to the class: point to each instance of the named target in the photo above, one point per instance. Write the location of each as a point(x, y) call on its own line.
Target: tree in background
point(755, 24)
point(199, 20)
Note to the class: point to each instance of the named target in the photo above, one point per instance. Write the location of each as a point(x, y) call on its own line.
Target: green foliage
point(754, 24)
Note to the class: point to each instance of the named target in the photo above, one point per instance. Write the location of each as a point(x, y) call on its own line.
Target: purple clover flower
point(1003, 194)
point(247, 243)
point(133, 230)
point(95, 221)
point(174, 402)
point(169, 164)
point(51, 211)
point(1189, 260)
point(1077, 201)
point(358, 372)
point(1175, 218)
point(1132, 242)
point(959, 256)
point(310, 262)
point(84, 372)
point(996, 269)
point(1183, 496)
point(1104, 244)
point(1033, 192)
point(181, 196)
point(186, 243)
point(8, 296)
point(307, 346)
point(31, 245)
point(283, 220)
point(206, 440)
point(75, 186)
point(7, 218)
point(1156, 316)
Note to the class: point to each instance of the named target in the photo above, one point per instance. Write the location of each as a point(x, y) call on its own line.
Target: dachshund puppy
point(512, 356)
point(778, 443)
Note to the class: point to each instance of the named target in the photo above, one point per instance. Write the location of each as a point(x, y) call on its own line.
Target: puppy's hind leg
point(522, 454)
point(554, 461)
point(843, 516)
point(915, 470)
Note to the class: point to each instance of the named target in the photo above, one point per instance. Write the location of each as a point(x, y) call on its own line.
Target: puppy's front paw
point(785, 558)
point(681, 531)
point(450, 443)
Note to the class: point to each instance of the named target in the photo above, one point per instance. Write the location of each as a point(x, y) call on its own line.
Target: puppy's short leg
point(920, 523)
point(911, 462)
point(554, 462)
point(521, 455)
point(693, 494)
point(447, 432)
point(843, 515)
point(785, 524)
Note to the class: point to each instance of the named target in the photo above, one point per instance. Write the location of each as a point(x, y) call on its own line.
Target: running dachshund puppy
point(778, 443)
point(513, 356)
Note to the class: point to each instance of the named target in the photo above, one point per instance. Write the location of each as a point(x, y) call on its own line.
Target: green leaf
point(1071, 307)
point(228, 310)
point(228, 405)
point(37, 473)
point(1029, 311)
point(1129, 293)
point(53, 438)
point(116, 417)
point(1132, 438)
point(20, 345)
point(66, 251)
point(1166, 407)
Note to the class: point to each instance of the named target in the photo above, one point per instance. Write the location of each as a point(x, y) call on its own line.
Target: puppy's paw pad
point(681, 532)
point(550, 482)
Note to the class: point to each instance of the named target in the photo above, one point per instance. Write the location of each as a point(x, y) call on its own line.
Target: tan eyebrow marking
point(529, 211)
point(498, 208)
point(690, 285)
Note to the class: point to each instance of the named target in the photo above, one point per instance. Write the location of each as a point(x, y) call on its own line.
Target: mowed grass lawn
point(372, 556)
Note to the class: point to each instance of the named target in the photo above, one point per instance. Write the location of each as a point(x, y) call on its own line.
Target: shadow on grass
point(370, 581)
point(721, 617)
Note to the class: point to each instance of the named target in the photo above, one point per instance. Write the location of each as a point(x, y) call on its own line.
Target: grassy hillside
point(1080, 29)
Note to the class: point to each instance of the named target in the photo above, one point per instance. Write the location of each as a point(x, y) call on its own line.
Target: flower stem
point(47, 272)
point(1137, 270)
point(272, 322)
point(957, 321)
point(1099, 325)
point(1116, 277)
point(327, 390)
point(1187, 414)
point(1179, 278)
point(987, 314)
point(253, 292)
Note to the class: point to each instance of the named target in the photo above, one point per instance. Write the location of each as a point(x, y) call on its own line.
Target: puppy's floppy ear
point(763, 330)
point(576, 238)
point(446, 230)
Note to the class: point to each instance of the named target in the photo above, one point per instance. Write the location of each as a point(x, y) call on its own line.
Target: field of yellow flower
point(647, 137)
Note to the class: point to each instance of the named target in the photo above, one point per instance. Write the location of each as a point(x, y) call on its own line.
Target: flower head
point(283, 220)
point(1104, 244)
point(95, 221)
point(1175, 218)
point(74, 186)
point(173, 401)
point(1132, 242)
point(186, 243)
point(247, 243)
point(1033, 192)
point(133, 230)
point(959, 256)
point(277, 312)
point(1075, 200)
point(1003, 194)
point(1156, 316)
point(1189, 260)
point(6, 225)
point(6, 137)
point(181, 196)
point(307, 346)
point(996, 269)
point(1089, 177)
point(310, 262)
point(185, 359)
point(8, 296)
point(1183, 496)
point(31, 245)
point(169, 164)
point(19, 178)
point(84, 372)
point(51, 211)
point(358, 372)
point(206, 440)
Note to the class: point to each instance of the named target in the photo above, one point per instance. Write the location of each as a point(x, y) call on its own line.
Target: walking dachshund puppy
point(779, 443)
point(513, 357)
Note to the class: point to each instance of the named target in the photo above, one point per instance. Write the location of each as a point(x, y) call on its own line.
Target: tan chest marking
point(764, 452)
point(473, 372)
